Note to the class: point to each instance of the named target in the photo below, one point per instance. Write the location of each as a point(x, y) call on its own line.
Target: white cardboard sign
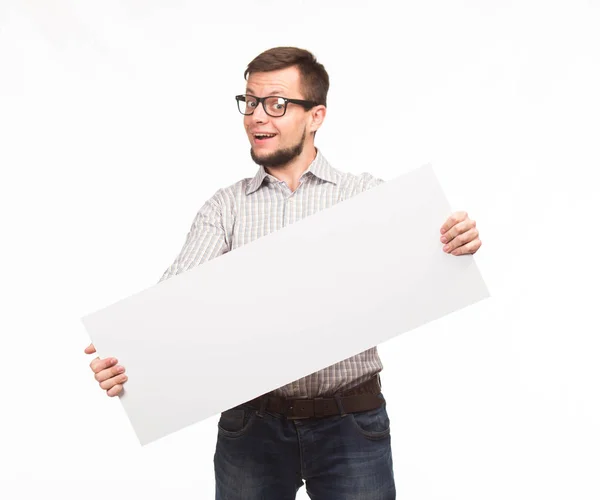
point(286, 305)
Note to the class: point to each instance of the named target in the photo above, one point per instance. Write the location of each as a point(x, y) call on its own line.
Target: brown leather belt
point(360, 398)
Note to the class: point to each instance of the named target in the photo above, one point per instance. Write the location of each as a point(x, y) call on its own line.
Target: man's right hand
point(110, 375)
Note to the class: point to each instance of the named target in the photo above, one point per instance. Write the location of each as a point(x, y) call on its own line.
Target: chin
point(277, 157)
point(261, 154)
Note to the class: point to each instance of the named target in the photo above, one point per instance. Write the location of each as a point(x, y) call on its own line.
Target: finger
point(111, 382)
point(97, 364)
point(90, 349)
point(115, 391)
point(460, 227)
point(462, 239)
point(113, 371)
point(454, 219)
point(469, 248)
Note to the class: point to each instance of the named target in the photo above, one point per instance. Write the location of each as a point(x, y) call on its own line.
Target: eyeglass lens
point(274, 106)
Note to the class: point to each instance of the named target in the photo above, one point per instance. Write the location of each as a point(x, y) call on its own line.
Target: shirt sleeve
point(206, 240)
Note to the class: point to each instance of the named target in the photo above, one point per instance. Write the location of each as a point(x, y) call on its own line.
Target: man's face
point(290, 132)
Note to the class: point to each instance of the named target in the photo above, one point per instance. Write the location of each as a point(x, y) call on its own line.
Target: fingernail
point(444, 239)
point(120, 369)
point(446, 248)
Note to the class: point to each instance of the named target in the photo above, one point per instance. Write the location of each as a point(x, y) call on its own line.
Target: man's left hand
point(459, 235)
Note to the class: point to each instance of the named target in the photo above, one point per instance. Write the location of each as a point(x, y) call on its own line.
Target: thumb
point(90, 349)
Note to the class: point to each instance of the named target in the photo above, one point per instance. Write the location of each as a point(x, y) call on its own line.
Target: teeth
point(262, 136)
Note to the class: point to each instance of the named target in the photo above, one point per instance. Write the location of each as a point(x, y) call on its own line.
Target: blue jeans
point(268, 457)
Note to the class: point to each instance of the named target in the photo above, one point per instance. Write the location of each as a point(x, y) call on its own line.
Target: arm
point(206, 239)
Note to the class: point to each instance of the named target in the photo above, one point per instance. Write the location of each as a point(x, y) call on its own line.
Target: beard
point(281, 157)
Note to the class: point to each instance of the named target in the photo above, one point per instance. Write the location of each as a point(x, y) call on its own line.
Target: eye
point(251, 103)
point(278, 104)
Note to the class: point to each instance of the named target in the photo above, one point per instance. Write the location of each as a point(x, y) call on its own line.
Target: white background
point(117, 121)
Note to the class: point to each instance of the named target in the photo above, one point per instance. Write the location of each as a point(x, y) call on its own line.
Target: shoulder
point(227, 197)
point(347, 182)
point(358, 182)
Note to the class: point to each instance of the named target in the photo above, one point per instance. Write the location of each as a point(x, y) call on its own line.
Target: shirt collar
point(319, 167)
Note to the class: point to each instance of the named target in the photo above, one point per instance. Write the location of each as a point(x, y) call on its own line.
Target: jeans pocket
point(236, 421)
point(372, 424)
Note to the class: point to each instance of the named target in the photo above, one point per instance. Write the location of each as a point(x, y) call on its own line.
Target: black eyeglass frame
point(305, 104)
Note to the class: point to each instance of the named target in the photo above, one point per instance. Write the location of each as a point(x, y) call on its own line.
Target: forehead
point(286, 82)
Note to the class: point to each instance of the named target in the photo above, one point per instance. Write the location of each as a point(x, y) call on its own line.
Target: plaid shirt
point(255, 207)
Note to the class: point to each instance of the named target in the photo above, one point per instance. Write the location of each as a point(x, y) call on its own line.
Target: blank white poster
point(288, 304)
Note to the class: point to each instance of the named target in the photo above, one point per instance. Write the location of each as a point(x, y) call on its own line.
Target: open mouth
point(263, 137)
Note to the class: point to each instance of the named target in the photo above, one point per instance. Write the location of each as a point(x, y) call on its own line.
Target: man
point(329, 429)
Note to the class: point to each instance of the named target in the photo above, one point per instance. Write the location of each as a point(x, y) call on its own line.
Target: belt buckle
point(290, 410)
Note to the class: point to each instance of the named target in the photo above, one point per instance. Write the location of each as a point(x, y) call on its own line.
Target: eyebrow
point(273, 92)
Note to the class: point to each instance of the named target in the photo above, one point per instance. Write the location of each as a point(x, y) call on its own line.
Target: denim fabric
point(267, 457)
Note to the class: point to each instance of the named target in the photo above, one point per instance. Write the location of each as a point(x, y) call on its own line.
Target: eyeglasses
point(273, 105)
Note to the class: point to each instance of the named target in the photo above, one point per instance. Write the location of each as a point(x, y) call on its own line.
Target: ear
point(317, 115)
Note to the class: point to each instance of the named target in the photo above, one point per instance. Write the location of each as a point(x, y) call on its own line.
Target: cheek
point(290, 129)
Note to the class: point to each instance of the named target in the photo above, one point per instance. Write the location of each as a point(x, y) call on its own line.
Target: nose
point(259, 115)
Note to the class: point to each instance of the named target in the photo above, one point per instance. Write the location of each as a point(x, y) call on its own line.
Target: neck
point(291, 172)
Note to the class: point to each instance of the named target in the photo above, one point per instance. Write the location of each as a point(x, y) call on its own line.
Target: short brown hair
point(315, 80)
